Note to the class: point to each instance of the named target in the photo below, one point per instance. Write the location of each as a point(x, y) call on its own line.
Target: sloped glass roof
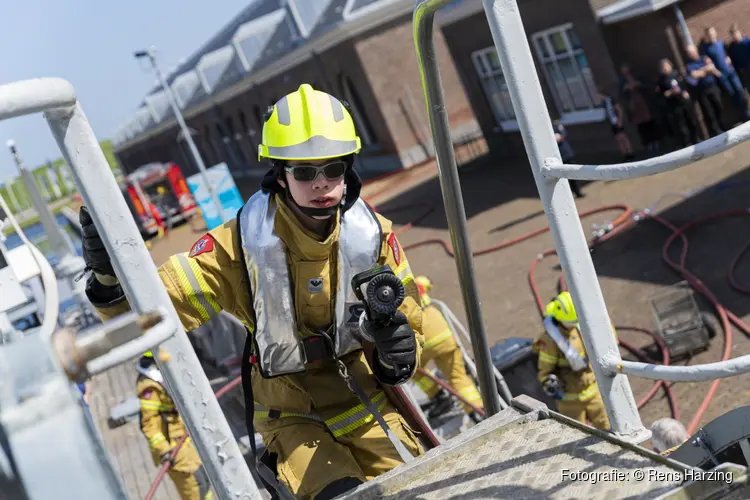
point(184, 87)
point(213, 65)
point(159, 105)
point(309, 12)
point(144, 117)
point(356, 8)
point(251, 38)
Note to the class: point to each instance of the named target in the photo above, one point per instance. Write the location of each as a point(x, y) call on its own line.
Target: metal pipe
point(34, 96)
point(424, 16)
point(535, 125)
point(456, 326)
point(692, 373)
point(186, 132)
point(184, 376)
point(154, 336)
point(553, 167)
point(61, 245)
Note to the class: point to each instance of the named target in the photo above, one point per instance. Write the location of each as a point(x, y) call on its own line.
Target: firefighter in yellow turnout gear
point(564, 369)
point(284, 268)
point(163, 427)
point(440, 346)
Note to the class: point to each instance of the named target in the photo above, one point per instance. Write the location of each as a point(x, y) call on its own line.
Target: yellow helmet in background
point(562, 309)
point(308, 125)
point(148, 354)
point(423, 284)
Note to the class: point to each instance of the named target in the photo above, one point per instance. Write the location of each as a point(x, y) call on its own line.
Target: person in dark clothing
point(566, 154)
point(702, 77)
point(739, 52)
point(614, 114)
point(679, 107)
point(714, 48)
point(636, 103)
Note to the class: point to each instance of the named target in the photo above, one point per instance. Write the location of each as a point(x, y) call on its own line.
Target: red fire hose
point(625, 220)
point(450, 389)
point(173, 454)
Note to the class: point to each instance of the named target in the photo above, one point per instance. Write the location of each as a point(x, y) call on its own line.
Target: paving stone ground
point(502, 203)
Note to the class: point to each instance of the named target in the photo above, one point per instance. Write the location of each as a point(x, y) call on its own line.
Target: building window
point(364, 128)
point(487, 66)
point(566, 69)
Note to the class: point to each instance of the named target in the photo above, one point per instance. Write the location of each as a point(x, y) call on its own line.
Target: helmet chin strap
point(326, 212)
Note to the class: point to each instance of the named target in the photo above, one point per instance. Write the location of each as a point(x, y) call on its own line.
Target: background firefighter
point(441, 347)
point(283, 268)
point(163, 428)
point(564, 369)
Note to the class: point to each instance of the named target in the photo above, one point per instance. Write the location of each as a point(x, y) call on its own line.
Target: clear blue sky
point(91, 44)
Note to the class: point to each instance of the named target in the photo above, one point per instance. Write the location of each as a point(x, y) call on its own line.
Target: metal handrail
point(651, 166)
point(535, 125)
point(424, 15)
point(691, 373)
point(184, 376)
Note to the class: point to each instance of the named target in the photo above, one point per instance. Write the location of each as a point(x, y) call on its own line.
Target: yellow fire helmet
point(148, 354)
point(562, 309)
point(308, 125)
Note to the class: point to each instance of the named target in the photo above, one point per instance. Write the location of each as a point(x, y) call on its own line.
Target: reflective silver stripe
point(282, 111)
point(207, 304)
point(315, 147)
point(276, 332)
point(355, 417)
point(575, 360)
point(338, 109)
point(342, 423)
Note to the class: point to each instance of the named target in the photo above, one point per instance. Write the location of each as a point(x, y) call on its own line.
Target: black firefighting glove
point(102, 288)
point(165, 457)
point(395, 349)
point(94, 253)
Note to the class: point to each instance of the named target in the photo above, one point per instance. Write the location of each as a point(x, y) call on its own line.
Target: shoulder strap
point(576, 362)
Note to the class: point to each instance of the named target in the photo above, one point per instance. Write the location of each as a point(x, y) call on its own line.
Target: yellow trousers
point(310, 458)
point(188, 487)
point(592, 410)
point(441, 347)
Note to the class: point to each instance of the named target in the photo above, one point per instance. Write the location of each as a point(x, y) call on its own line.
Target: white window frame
point(509, 124)
point(594, 113)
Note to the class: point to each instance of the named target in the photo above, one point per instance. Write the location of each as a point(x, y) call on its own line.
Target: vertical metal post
point(687, 39)
point(450, 184)
point(186, 381)
point(186, 132)
point(61, 245)
point(536, 129)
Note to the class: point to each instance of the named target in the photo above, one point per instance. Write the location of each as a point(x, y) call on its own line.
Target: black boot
point(443, 403)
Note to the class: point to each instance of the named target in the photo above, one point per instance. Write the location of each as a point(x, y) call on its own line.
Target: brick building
point(358, 49)
point(363, 51)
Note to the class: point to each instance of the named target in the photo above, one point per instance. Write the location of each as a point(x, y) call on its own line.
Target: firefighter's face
point(315, 183)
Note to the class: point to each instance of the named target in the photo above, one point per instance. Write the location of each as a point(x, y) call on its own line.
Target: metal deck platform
point(529, 452)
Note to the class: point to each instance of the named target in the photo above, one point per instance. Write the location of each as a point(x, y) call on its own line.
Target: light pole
point(69, 265)
point(150, 54)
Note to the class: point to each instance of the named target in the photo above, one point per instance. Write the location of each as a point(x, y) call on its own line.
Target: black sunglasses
point(308, 173)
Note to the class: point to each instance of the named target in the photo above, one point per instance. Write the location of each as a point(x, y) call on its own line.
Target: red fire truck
point(159, 185)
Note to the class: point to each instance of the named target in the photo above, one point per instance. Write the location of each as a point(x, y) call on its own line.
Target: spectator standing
point(638, 110)
point(703, 76)
point(679, 107)
point(714, 48)
point(615, 117)
point(738, 51)
point(566, 154)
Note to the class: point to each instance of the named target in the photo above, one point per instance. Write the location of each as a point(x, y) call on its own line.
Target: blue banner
point(226, 190)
